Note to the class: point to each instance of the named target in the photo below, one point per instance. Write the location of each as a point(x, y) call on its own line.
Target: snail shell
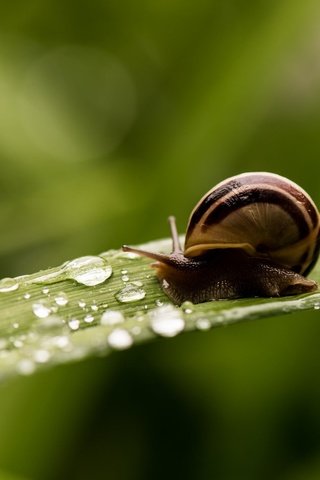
point(254, 234)
point(264, 214)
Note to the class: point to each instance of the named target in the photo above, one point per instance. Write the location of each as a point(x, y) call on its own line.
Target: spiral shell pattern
point(262, 213)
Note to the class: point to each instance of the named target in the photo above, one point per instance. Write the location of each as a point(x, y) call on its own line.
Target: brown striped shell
point(264, 214)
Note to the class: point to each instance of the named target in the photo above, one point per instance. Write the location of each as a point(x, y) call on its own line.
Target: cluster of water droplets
point(26, 349)
point(50, 334)
point(57, 334)
point(62, 324)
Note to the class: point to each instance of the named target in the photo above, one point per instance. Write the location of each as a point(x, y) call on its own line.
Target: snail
point(253, 235)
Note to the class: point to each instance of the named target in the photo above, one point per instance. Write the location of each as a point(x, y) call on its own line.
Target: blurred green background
point(114, 115)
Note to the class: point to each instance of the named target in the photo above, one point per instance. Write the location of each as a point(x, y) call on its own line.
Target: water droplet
point(61, 299)
point(25, 366)
point(94, 307)
point(130, 293)
point(219, 319)
point(203, 324)
point(138, 283)
point(88, 270)
point(136, 330)
point(120, 339)
point(89, 318)
point(41, 356)
point(61, 341)
point(8, 285)
point(18, 343)
point(82, 304)
point(166, 321)
point(45, 290)
point(74, 324)
point(125, 278)
point(187, 307)
point(15, 325)
point(26, 296)
point(159, 303)
point(111, 317)
point(316, 306)
point(41, 309)
point(124, 272)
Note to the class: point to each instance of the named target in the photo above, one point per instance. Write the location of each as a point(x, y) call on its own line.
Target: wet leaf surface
point(96, 304)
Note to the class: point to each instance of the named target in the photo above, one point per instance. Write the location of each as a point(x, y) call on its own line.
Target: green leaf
point(94, 305)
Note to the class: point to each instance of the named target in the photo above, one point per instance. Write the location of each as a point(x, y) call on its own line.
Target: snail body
point(254, 234)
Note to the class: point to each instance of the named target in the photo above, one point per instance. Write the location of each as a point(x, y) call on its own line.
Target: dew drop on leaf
point(166, 321)
point(89, 318)
point(8, 285)
point(203, 324)
point(61, 342)
point(74, 324)
point(41, 309)
point(111, 317)
point(41, 356)
point(18, 343)
point(130, 293)
point(187, 307)
point(61, 299)
point(120, 339)
point(25, 366)
point(88, 270)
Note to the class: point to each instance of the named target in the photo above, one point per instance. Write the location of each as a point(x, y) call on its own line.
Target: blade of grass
point(48, 318)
